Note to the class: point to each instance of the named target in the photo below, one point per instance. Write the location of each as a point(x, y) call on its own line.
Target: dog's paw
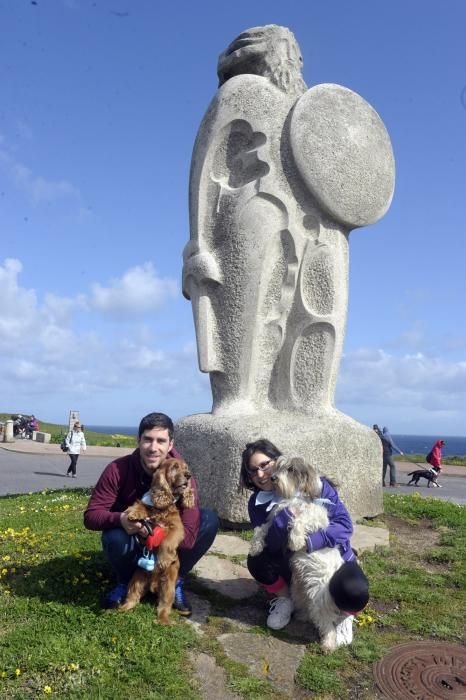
point(163, 563)
point(328, 643)
point(136, 512)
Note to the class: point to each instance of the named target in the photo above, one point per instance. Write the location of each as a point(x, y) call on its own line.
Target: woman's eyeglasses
point(265, 468)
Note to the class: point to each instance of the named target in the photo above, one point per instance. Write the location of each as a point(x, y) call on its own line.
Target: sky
point(100, 105)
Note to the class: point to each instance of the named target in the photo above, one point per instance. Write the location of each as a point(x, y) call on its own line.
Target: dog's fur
point(298, 483)
point(430, 474)
point(170, 483)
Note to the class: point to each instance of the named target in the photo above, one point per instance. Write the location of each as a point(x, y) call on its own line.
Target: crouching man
point(120, 484)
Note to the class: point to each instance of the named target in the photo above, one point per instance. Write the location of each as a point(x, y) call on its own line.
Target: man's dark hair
point(156, 420)
point(263, 445)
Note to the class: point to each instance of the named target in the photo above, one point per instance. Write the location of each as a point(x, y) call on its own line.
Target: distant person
point(20, 423)
point(75, 442)
point(389, 447)
point(33, 425)
point(435, 455)
point(120, 484)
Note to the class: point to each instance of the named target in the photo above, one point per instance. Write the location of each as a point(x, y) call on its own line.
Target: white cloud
point(17, 305)
point(424, 388)
point(38, 189)
point(137, 292)
point(45, 351)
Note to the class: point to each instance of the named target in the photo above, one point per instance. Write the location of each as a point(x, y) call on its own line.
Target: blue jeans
point(388, 462)
point(123, 550)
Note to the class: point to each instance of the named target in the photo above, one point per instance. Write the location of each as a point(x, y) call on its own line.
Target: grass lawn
point(55, 640)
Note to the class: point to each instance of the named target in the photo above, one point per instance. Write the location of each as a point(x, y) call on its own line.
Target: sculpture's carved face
point(270, 51)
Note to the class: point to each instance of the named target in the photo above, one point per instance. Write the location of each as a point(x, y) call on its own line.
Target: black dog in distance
point(430, 474)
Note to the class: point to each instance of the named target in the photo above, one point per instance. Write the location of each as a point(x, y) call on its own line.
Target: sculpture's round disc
point(343, 152)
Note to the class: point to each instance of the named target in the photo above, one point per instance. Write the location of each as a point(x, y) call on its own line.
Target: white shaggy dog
point(299, 486)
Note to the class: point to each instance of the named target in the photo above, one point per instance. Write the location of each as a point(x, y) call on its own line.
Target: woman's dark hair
point(156, 420)
point(261, 445)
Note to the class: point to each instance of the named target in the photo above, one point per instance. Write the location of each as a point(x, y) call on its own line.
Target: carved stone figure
point(280, 175)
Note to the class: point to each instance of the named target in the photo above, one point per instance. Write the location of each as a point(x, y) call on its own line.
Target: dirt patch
point(418, 538)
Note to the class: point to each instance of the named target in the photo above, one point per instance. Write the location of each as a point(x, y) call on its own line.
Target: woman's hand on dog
point(276, 538)
point(133, 527)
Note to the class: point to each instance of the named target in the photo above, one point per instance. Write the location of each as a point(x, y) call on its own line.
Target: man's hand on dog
point(133, 527)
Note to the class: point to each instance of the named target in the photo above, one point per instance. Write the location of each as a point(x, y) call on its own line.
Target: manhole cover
point(423, 671)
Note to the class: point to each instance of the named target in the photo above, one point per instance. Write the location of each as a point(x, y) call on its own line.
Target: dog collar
point(147, 499)
point(269, 497)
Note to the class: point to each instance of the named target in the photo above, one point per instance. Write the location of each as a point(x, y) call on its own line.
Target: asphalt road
point(453, 488)
point(21, 473)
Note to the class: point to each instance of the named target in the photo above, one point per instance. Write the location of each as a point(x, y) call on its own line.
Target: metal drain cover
point(423, 671)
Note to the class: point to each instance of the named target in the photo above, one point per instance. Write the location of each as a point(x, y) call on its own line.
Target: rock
point(224, 577)
point(366, 538)
point(211, 679)
point(267, 658)
point(230, 545)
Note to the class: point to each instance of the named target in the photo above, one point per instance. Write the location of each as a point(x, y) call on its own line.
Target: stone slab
point(211, 679)
point(230, 545)
point(224, 577)
point(267, 658)
point(42, 437)
point(366, 538)
point(342, 449)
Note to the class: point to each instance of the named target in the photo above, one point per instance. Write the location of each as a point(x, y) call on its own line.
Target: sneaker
point(439, 486)
point(180, 603)
point(73, 476)
point(395, 486)
point(344, 631)
point(115, 597)
point(279, 613)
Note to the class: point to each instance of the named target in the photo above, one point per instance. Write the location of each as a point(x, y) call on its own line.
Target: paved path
point(27, 466)
point(40, 448)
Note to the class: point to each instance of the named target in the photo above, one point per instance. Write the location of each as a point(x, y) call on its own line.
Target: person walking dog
point(75, 442)
point(389, 447)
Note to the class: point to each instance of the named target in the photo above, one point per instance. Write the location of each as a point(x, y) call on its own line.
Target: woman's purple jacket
point(337, 534)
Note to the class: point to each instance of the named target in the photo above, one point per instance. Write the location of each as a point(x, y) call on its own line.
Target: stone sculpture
point(280, 175)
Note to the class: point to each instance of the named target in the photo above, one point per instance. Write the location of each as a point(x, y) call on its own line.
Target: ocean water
point(411, 444)
point(422, 444)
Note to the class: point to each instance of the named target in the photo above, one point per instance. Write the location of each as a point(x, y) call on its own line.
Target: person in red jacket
point(435, 455)
point(121, 483)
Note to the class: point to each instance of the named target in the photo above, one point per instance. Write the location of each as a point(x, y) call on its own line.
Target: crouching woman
point(348, 586)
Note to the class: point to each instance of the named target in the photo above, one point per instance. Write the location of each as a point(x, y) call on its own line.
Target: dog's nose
point(273, 478)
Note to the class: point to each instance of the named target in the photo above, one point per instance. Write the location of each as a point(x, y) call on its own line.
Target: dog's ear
point(312, 483)
point(160, 491)
point(187, 499)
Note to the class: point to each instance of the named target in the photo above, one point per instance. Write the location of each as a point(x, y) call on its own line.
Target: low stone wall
point(41, 437)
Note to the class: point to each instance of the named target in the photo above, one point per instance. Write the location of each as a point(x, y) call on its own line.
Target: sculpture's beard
point(270, 52)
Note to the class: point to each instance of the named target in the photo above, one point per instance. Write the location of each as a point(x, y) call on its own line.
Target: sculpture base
point(346, 451)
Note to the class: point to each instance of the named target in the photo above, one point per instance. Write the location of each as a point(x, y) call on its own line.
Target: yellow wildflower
point(6, 557)
point(47, 689)
point(17, 672)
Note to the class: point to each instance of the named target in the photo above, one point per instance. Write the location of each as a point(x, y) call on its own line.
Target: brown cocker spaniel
point(170, 486)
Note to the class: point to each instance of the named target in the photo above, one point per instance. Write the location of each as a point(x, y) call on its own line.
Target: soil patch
point(418, 538)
